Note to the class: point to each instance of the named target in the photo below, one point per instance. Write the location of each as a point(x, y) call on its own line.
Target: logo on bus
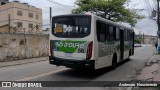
point(66, 44)
point(108, 48)
point(70, 46)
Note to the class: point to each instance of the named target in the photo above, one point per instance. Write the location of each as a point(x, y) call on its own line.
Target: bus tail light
point(89, 51)
point(51, 49)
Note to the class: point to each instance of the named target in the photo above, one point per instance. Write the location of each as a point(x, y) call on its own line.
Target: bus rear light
point(51, 49)
point(89, 51)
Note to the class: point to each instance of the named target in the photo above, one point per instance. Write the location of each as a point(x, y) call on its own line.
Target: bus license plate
point(68, 54)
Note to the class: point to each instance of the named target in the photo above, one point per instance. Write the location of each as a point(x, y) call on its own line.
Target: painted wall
point(19, 46)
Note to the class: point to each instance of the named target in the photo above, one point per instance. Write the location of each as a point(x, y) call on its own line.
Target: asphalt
point(23, 61)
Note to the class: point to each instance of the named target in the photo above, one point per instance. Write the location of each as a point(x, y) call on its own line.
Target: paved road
point(42, 71)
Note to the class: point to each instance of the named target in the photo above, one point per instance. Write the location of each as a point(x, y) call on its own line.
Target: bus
point(89, 42)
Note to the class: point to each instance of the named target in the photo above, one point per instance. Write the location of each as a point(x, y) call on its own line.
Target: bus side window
point(114, 33)
point(117, 34)
point(107, 33)
point(111, 33)
point(131, 36)
point(128, 36)
point(101, 32)
point(125, 35)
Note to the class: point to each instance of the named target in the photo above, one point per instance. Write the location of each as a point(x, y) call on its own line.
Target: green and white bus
point(89, 41)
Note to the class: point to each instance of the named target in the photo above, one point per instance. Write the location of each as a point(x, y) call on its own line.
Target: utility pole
point(50, 15)
point(158, 32)
point(9, 22)
point(50, 18)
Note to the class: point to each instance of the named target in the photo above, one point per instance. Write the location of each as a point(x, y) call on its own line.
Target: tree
point(137, 40)
point(113, 10)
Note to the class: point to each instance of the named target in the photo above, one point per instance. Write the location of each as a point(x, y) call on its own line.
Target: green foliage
point(137, 40)
point(113, 10)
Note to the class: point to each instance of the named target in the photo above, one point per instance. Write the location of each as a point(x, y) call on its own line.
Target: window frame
point(19, 24)
point(19, 13)
point(37, 17)
point(30, 25)
point(72, 16)
point(99, 33)
point(30, 14)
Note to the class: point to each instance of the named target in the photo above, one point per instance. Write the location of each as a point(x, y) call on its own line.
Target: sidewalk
point(150, 73)
point(152, 70)
point(23, 61)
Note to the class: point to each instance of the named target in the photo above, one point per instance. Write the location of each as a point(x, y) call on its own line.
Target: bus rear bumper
point(87, 64)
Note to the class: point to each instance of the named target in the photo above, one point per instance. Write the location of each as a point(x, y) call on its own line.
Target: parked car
point(137, 45)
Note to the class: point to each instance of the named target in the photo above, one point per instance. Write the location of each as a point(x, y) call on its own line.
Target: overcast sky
point(146, 26)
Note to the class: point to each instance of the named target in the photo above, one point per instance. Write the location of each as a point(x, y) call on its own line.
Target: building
point(46, 31)
point(23, 17)
point(147, 39)
point(3, 2)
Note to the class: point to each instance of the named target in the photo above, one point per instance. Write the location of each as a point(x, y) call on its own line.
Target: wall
point(7, 29)
point(4, 28)
point(19, 46)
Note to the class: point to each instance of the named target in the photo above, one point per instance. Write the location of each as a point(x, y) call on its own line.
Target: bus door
point(121, 44)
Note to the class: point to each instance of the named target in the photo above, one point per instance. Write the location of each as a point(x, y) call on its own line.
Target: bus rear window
point(71, 26)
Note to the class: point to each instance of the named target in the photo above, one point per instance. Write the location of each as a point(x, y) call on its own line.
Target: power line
point(59, 3)
point(153, 5)
point(147, 5)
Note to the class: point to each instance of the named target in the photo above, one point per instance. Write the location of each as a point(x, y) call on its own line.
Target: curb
point(21, 63)
point(151, 61)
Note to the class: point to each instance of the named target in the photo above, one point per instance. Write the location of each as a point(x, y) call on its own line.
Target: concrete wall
point(20, 46)
point(4, 28)
point(7, 29)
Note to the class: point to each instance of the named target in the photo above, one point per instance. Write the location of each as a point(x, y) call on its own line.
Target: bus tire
point(114, 61)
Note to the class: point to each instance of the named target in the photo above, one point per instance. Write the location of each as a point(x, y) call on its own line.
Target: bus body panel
point(69, 54)
point(72, 50)
point(104, 60)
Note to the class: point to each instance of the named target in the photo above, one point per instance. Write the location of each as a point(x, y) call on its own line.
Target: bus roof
point(72, 15)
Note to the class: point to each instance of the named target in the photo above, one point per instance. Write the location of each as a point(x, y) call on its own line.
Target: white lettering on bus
point(66, 44)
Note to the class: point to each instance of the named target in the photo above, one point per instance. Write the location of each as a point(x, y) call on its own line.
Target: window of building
point(30, 25)
point(37, 16)
point(20, 13)
point(31, 15)
point(19, 24)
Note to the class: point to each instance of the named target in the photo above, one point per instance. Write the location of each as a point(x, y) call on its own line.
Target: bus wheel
point(114, 61)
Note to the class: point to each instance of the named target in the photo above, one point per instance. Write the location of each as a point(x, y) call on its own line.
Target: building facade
point(150, 39)
point(23, 17)
point(147, 39)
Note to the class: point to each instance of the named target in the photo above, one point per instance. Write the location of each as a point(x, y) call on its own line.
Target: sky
point(147, 26)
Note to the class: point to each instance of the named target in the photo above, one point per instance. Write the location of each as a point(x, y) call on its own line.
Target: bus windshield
point(71, 26)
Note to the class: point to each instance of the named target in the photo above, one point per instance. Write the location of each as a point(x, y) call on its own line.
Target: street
point(43, 71)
